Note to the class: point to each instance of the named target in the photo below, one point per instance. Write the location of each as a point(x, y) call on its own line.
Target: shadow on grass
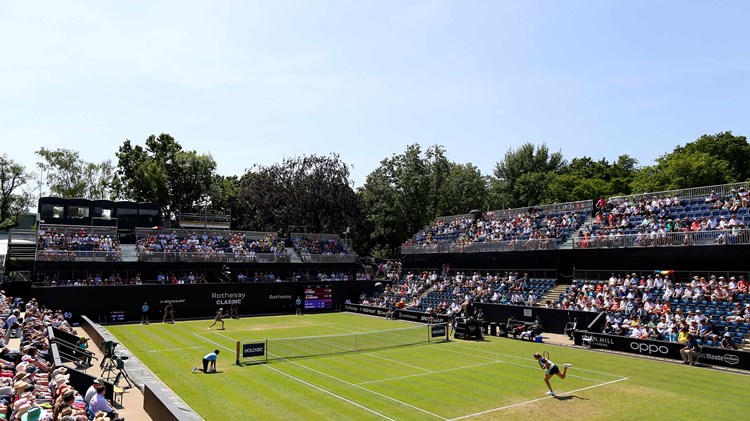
point(569, 397)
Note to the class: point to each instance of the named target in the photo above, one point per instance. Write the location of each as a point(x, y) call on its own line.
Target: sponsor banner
point(439, 331)
point(414, 316)
point(709, 355)
point(254, 350)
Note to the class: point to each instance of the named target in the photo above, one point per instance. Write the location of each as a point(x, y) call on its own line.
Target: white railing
point(328, 258)
point(693, 192)
point(488, 247)
point(582, 206)
point(78, 256)
point(213, 257)
point(670, 239)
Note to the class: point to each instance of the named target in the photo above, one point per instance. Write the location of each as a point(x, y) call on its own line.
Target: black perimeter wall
point(190, 301)
point(567, 262)
point(202, 300)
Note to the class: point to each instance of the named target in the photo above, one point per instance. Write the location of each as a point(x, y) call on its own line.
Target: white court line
point(495, 360)
point(427, 370)
point(382, 358)
point(536, 400)
point(354, 385)
point(174, 349)
point(258, 329)
point(525, 359)
point(304, 382)
point(433, 372)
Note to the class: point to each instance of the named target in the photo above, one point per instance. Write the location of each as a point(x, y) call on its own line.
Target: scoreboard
point(318, 297)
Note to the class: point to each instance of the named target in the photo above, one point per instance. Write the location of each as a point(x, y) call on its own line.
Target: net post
point(237, 361)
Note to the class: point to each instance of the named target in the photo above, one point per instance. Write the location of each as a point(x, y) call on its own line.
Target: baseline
point(305, 382)
point(476, 414)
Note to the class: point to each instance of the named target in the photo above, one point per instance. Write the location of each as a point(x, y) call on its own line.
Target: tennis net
point(308, 346)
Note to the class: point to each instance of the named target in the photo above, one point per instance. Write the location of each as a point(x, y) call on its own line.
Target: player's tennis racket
point(545, 354)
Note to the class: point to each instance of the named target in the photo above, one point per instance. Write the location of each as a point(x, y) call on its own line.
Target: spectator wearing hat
point(91, 391)
point(83, 345)
point(34, 413)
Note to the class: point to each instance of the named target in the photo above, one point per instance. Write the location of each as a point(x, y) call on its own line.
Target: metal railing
point(78, 256)
point(670, 239)
point(328, 258)
point(317, 236)
point(213, 257)
point(73, 230)
point(693, 192)
point(488, 247)
point(182, 232)
point(580, 206)
point(17, 235)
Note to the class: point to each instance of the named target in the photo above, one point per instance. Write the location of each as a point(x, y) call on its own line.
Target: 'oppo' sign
point(649, 348)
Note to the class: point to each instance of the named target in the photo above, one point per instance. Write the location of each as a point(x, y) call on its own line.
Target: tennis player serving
point(552, 369)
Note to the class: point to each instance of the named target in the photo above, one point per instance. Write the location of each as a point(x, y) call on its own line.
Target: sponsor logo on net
point(646, 348)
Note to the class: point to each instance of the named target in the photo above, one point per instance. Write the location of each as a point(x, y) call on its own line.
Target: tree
point(407, 191)
point(222, 196)
point(522, 177)
point(311, 191)
point(725, 146)
point(13, 177)
point(683, 170)
point(179, 181)
point(709, 160)
point(67, 175)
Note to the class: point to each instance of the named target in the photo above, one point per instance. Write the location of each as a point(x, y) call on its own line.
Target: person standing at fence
point(298, 306)
point(168, 312)
point(219, 318)
point(144, 314)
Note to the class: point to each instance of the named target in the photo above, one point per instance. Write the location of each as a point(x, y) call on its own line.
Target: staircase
point(553, 294)
point(568, 244)
point(129, 252)
point(293, 255)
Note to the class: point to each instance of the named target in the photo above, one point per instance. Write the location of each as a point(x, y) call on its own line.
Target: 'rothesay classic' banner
point(709, 355)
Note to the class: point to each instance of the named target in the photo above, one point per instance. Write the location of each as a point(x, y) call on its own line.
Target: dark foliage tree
point(522, 177)
point(162, 172)
point(314, 192)
point(68, 175)
point(13, 200)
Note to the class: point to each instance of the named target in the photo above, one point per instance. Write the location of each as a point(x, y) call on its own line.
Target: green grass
point(494, 379)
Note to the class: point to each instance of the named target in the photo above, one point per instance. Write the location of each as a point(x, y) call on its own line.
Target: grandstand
point(532, 228)
point(506, 263)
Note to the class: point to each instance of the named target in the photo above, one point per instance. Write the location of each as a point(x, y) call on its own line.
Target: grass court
point(494, 379)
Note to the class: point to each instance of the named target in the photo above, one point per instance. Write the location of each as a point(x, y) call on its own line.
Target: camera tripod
point(114, 366)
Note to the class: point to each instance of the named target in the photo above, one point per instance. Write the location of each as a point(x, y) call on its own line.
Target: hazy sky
point(252, 82)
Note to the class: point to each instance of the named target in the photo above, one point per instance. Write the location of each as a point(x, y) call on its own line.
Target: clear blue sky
point(252, 82)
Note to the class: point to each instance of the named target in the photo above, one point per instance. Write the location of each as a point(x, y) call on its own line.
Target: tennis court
point(498, 378)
